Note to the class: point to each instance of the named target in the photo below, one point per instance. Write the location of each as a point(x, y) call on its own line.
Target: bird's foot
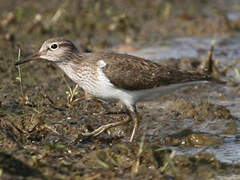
point(103, 128)
point(133, 115)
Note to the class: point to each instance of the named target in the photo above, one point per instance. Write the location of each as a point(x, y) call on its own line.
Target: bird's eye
point(54, 46)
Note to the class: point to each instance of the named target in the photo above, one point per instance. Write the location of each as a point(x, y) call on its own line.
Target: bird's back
point(134, 73)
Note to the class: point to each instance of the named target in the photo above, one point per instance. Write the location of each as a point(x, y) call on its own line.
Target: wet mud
point(192, 133)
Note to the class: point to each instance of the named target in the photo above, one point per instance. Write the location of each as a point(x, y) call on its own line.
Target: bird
point(118, 77)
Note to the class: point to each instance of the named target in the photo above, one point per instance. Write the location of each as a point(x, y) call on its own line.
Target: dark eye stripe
point(64, 45)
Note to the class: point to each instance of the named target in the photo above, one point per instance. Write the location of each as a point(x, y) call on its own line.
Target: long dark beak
point(29, 58)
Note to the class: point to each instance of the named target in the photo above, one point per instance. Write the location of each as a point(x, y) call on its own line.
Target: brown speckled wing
point(133, 73)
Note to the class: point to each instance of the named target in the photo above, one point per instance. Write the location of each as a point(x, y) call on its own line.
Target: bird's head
point(56, 50)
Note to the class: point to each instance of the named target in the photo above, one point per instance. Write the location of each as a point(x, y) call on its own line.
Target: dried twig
point(71, 93)
point(19, 78)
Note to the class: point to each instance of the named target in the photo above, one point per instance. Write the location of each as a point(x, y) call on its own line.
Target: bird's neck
point(68, 68)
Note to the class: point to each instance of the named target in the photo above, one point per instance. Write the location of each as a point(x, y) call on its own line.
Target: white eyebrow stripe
point(61, 42)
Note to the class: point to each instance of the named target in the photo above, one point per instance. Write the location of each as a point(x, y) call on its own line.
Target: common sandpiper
point(113, 76)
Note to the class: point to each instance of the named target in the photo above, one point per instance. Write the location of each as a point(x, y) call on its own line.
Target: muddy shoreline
point(181, 134)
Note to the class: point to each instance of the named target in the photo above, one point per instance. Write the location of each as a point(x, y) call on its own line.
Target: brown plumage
point(134, 73)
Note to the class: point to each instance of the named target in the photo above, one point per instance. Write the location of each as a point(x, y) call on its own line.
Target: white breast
point(97, 84)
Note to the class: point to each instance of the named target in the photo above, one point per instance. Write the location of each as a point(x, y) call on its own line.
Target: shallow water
point(226, 48)
point(226, 52)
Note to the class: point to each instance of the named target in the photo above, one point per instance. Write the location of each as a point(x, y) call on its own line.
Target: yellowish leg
point(135, 118)
point(133, 115)
point(103, 128)
point(88, 96)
